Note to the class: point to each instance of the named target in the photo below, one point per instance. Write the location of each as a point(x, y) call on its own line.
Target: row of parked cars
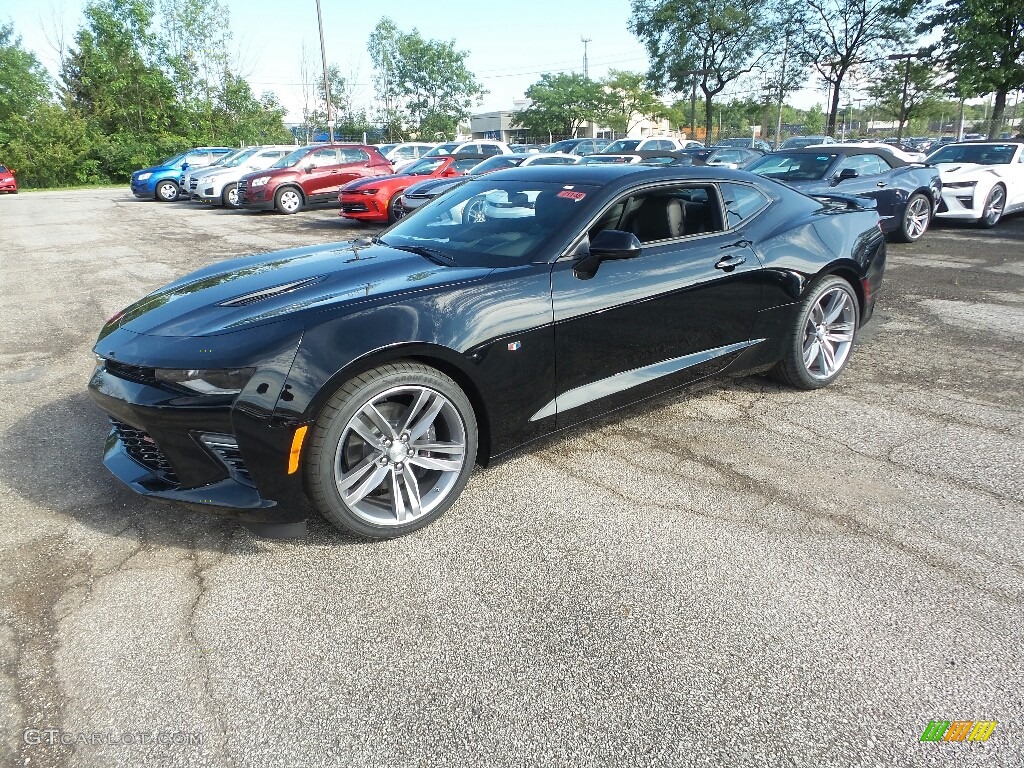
point(977, 180)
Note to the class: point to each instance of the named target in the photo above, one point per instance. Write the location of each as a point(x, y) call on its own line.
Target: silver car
point(220, 185)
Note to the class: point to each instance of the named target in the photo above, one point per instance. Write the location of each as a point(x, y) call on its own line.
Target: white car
point(981, 180)
point(220, 185)
point(474, 147)
point(405, 152)
point(625, 146)
point(192, 173)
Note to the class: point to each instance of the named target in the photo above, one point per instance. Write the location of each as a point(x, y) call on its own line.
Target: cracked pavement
point(736, 575)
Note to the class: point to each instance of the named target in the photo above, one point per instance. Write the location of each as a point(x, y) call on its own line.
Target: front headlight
point(259, 182)
point(144, 176)
point(208, 382)
point(367, 191)
point(960, 185)
point(206, 179)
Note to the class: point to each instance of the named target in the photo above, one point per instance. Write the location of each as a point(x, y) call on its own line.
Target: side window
point(405, 153)
point(467, 165)
point(584, 148)
point(323, 157)
point(670, 213)
point(354, 156)
point(741, 203)
point(197, 158)
point(883, 164)
point(489, 149)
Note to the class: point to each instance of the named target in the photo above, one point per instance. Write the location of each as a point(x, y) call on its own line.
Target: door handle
point(739, 244)
point(729, 263)
point(880, 184)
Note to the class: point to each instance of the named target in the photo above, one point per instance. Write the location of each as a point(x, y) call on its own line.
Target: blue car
point(161, 181)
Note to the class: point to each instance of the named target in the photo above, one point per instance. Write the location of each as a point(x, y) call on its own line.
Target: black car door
point(872, 180)
point(681, 310)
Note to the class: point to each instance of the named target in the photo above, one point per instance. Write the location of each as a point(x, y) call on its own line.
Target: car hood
point(154, 169)
point(954, 172)
point(437, 183)
point(243, 293)
point(374, 181)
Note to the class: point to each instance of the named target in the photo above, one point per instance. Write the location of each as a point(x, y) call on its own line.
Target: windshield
point(491, 222)
point(292, 158)
point(174, 160)
point(424, 166)
point(442, 149)
point(622, 145)
point(794, 166)
point(237, 158)
point(982, 154)
point(498, 163)
point(568, 145)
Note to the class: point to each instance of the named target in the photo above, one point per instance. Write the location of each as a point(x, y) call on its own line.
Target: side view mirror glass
point(615, 244)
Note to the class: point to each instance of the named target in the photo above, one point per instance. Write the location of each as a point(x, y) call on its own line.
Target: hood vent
point(270, 293)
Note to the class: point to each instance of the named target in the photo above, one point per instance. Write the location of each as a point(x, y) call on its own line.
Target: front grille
point(354, 207)
point(135, 373)
point(193, 184)
point(225, 448)
point(143, 449)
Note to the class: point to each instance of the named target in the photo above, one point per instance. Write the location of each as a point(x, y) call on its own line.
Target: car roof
point(842, 149)
point(608, 173)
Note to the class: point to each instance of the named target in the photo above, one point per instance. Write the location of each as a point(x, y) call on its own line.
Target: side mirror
point(609, 244)
point(184, 166)
point(310, 168)
point(845, 175)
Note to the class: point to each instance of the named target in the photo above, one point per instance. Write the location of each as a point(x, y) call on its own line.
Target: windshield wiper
point(434, 255)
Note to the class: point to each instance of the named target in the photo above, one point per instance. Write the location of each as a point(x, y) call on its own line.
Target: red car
point(311, 174)
point(380, 199)
point(7, 181)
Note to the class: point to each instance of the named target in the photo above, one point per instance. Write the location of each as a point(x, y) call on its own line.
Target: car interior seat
point(659, 218)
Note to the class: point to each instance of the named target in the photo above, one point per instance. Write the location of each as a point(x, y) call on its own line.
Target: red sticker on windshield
point(572, 195)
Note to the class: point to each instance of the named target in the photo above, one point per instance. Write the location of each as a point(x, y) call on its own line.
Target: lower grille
point(354, 207)
point(225, 448)
point(143, 449)
point(135, 373)
point(193, 184)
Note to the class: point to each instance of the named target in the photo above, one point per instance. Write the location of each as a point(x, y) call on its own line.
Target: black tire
point(917, 217)
point(229, 196)
point(167, 191)
point(395, 209)
point(794, 369)
point(396, 390)
point(995, 203)
point(289, 200)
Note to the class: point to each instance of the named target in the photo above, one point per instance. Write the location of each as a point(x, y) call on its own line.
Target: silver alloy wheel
point(290, 201)
point(474, 213)
point(994, 206)
point(233, 196)
point(828, 335)
point(167, 191)
point(917, 217)
point(400, 455)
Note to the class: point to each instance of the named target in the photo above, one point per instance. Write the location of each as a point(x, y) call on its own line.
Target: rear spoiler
point(848, 202)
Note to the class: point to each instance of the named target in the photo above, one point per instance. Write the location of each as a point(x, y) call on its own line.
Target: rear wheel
point(916, 218)
point(391, 451)
point(288, 200)
point(822, 336)
point(994, 205)
point(230, 196)
point(167, 191)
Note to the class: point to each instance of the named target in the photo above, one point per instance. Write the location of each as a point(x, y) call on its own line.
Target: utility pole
point(586, 62)
point(327, 83)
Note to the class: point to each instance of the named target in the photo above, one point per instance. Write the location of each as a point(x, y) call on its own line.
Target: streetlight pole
point(782, 91)
point(327, 82)
point(586, 62)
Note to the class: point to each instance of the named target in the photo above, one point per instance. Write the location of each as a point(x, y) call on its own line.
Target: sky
point(507, 49)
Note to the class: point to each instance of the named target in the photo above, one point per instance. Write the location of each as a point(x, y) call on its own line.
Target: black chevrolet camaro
point(906, 194)
point(371, 376)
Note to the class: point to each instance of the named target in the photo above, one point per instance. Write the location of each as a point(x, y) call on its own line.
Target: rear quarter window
point(742, 203)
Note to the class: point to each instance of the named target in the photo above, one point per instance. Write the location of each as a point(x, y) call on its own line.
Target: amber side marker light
point(293, 457)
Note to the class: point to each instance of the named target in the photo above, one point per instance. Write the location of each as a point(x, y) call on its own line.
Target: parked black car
point(371, 376)
point(907, 194)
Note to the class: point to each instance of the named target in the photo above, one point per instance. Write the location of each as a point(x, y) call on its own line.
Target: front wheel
point(230, 196)
point(288, 200)
point(916, 218)
point(167, 191)
point(395, 209)
point(391, 451)
point(822, 337)
point(994, 205)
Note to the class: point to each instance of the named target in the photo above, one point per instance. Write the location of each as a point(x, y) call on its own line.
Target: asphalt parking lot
point(742, 575)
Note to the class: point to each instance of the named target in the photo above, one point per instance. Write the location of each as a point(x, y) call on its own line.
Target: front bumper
point(259, 198)
point(143, 188)
point(364, 207)
point(170, 446)
point(959, 203)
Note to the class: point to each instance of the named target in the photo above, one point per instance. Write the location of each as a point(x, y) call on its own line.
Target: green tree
point(923, 95)
point(707, 42)
point(51, 146)
point(841, 34)
point(630, 101)
point(562, 103)
point(983, 46)
point(23, 82)
point(383, 48)
point(814, 121)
